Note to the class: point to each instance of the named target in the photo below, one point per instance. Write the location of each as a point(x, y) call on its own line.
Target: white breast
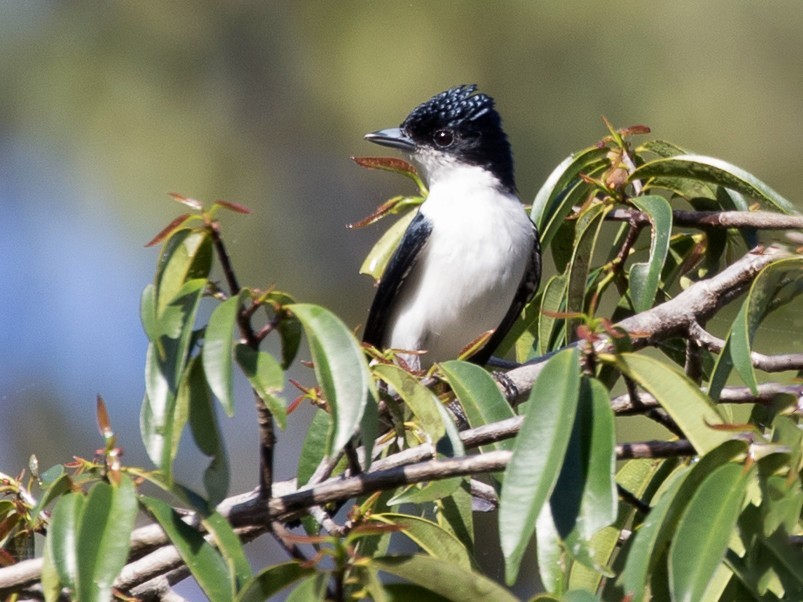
point(469, 271)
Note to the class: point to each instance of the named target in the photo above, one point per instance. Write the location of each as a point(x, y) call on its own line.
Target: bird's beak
point(392, 137)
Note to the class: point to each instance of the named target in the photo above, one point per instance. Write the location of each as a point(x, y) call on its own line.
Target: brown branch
point(764, 220)
point(767, 363)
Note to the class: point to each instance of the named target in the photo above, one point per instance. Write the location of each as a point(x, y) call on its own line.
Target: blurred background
point(107, 107)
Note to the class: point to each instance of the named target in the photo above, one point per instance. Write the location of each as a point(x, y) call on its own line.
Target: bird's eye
point(443, 138)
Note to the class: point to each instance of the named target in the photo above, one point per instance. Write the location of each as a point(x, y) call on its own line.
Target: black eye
point(443, 138)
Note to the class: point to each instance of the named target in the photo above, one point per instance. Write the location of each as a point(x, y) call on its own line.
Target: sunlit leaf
point(432, 491)
point(432, 417)
point(479, 395)
point(102, 546)
point(704, 530)
point(377, 259)
point(764, 294)
point(586, 236)
point(538, 454)
point(689, 407)
point(430, 537)
point(645, 278)
point(62, 539)
point(187, 255)
point(444, 578)
point(230, 547)
point(201, 558)
point(272, 580)
point(552, 203)
point(341, 370)
point(714, 171)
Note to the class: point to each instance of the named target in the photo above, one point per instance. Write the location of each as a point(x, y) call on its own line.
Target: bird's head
point(455, 127)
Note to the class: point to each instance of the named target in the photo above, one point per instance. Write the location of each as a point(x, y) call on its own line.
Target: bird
point(470, 259)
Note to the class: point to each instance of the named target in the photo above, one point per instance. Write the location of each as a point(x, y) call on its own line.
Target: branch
point(764, 220)
point(674, 317)
point(767, 363)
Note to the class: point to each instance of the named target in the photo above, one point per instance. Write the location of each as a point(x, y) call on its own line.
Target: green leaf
point(586, 236)
point(659, 526)
point(266, 377)
point(165, 363)
point(187, 255)
point(217, 350)
point(430, 537)
point(598, 506)
point(538, 454)
point(377, 259)
point(195, 396)
point(434, 490)
point(765, 292)
point(313, 450)
point(444, 578)
point(479, 395)
point(553, 303)
point(689, 407)
point(433, 418)
point(341, 370)
point(230, 547)
point(202, 559)
point(105, 529)
point(714, 171)
point(704, 530)
point(645, 278)
point(147, 312)
point(272, 580)
point(62, 538)
point(552, 203)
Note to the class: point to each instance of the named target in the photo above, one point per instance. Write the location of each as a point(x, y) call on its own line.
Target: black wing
point(525, 292)
point(396, 272)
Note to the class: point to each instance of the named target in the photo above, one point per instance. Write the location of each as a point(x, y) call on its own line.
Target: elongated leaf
point(645, 278)
point(586, 236)
point(714, 171)
point(230, 547)
point(272, 580)
point(435, 490)
point(538, 454)
point(164, 365)
point(704, 530)
point(103, 537)
point(377, 259)
point(341, 370)
point(551, 203)
point(313, 450)
point(421, 401)
point(62, 538)
point(194, 395)
point(444, 578)
point(479, 395)
point(430, 537)
point(660, 524)
point(187, 255)
point(553, 303)
point(217, 351)
point(266, 377)
point(644, 551)
point(689, 407)
point(598, 506)
point(203, 560)
point(738, 344)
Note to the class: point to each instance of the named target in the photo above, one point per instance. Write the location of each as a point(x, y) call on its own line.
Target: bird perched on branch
point(470, 259)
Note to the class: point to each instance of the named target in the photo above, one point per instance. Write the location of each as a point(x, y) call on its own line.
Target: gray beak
point(392, 137)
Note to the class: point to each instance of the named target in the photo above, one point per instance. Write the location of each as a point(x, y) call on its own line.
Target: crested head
point(460, 125)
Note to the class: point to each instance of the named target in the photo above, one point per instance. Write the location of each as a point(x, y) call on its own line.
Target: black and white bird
point(470, 259)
